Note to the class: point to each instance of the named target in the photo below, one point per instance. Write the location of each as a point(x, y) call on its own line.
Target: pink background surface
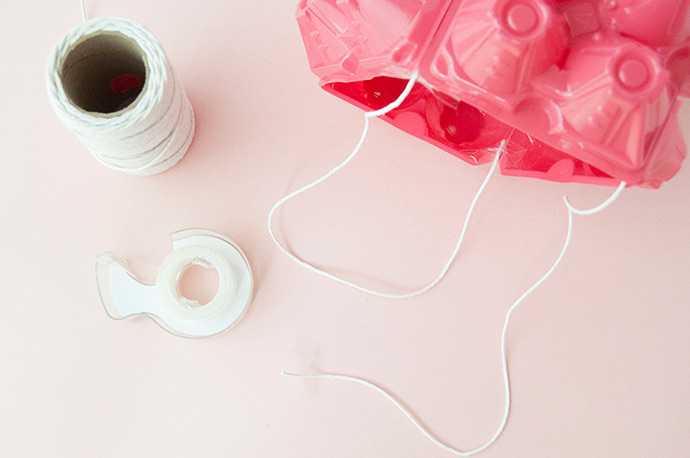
point(599, 355)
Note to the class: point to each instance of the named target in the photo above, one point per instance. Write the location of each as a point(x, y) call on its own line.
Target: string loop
point(504, 359)
point(367, 116)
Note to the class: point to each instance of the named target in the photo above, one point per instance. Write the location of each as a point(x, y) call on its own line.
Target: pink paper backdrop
point(598, 356)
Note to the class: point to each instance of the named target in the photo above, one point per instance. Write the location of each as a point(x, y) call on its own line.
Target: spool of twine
point(111, 84)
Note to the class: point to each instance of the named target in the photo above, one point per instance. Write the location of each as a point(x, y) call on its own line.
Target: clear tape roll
point(171, 270)
point(110, 83)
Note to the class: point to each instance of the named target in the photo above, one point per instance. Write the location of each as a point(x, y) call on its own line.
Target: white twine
point(152, 133)
point(367, 116)
point(506, 379)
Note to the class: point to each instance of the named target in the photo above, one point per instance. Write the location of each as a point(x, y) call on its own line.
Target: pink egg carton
point(585, 90)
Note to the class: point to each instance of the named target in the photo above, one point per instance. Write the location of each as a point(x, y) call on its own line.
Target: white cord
point(149, 135)
point(504, 359)
point(367, 117)
point(83, 11)
point(598, 208)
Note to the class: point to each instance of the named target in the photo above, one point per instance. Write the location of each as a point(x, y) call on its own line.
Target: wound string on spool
point(111, 84)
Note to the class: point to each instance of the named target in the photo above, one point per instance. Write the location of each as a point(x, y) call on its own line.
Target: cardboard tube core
point(91, 66)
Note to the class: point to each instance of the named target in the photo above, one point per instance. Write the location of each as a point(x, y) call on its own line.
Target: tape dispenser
point(124, 295)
